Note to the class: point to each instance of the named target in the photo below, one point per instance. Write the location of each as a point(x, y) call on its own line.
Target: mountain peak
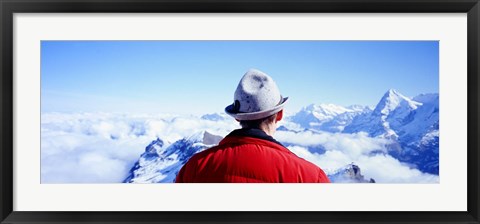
point(349, 174)
point(392, 92)
point(310, 107)
point(211, 139)
point(213, 117)
point(161, 164)
point(154, 146)
point(393, 99)
point(204, 137)
point(427, 98)
point(325, 109)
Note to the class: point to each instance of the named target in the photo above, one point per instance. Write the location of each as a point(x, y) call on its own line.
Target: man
point(251, 154)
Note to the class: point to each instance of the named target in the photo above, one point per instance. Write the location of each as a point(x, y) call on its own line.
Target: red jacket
point(247, 159)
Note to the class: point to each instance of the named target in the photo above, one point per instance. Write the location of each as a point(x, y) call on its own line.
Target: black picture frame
point(9, 7)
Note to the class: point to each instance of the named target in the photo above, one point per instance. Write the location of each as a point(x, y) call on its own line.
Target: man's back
point(245, 159)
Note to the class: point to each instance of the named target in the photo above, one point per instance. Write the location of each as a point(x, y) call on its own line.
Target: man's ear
point(279, 116)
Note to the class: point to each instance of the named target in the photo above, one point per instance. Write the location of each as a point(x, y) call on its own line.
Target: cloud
point(386, 169)
point(352, 144)
point(343, 149)
point(102, 147)
point(83, 158)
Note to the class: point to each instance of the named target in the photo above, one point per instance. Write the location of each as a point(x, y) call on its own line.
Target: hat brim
point(255, 115)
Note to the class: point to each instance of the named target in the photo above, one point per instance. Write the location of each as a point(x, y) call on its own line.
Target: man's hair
point(257, 123)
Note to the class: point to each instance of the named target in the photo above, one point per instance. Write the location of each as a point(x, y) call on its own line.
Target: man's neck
point(269, 129)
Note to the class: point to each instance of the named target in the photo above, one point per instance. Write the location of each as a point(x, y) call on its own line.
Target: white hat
point(257, 96)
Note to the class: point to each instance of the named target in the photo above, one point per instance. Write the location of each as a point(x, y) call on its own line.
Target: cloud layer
point(101, 147)
point(366, 152)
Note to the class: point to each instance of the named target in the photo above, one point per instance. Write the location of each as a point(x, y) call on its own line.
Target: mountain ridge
point(411, 123)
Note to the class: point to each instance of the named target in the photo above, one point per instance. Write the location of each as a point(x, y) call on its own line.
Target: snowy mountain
point(327, 117)
point(160, 162)
point(412, 123)
point(408, 129)
point(349, 174)
point(392, 112)
point(420, 137)
point(214, 117)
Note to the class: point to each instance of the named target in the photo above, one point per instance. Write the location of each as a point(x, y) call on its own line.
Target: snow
point(326, 117)
point(163, 166)
point(393, 100)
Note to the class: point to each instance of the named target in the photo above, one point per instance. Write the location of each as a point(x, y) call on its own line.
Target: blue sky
point(198, 77)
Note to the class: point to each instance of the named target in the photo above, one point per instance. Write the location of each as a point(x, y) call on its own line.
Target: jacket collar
point(254, 133)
